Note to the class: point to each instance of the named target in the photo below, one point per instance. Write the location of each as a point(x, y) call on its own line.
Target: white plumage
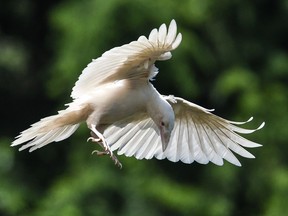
point(126, 113)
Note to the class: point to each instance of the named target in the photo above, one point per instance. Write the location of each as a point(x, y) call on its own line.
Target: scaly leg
point(99, 138)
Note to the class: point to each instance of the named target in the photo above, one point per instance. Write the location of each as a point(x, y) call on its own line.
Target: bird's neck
point(157, 105)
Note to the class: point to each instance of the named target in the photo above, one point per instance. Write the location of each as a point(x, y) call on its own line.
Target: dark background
point(233, 57)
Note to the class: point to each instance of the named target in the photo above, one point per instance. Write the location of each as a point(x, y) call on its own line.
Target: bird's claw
point(107, 150)
point(100, 153)
point(116, 161)
point(101, 142)
point(112, 156)
point(93, 139)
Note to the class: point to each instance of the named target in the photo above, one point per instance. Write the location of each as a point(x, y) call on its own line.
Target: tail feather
point(51, 129)
point(54, 135)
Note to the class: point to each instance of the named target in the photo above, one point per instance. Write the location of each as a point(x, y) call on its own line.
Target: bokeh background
point(233, 58)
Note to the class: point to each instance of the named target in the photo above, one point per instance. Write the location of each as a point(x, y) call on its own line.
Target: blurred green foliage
point(233, 58)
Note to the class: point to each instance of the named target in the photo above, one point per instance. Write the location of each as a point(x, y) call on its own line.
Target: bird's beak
point(165, 138)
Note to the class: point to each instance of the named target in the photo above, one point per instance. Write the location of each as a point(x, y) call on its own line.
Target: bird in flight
point(124, 112)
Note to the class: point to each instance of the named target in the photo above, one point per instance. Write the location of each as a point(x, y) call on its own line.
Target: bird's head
point(163, 116)
point(166, 125)
point(165, 122)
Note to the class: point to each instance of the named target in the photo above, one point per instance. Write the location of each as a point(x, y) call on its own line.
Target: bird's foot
point(107, 150)
point(113, 157)
point(99, 141)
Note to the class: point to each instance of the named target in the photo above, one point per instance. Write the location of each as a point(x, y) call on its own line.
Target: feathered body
point(123, 110)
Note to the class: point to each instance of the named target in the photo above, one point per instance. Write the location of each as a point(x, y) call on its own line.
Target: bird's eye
point(162, 123)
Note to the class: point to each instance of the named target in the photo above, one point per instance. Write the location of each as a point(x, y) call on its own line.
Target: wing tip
point(261, 126)
point(177, 41)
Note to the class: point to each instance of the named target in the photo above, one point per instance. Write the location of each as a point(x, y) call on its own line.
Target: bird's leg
point(96, 136)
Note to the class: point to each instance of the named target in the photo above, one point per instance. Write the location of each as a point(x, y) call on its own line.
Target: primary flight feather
point(125, 112)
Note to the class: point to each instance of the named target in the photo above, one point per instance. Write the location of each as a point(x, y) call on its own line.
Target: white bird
point(124, 111)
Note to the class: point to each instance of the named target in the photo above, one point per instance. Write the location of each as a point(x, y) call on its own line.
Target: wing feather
point(211, 135)
point(213, 155)
point(172, 152)
point(129, 61)
point(162, 35)
point(184, 151)
point(199, 154)
point(135, 136)
point(172, 30)
point(153, 36)
point(224, 136)
point(198, 135)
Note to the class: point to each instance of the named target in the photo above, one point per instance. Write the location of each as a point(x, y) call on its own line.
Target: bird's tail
point(52, 129)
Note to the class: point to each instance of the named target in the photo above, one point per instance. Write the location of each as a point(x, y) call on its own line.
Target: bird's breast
point(119, 100)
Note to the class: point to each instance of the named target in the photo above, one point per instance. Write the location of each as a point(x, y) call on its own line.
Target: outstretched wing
point(198, 135)
point(135, 136)
point(133, 60)
point(201, 136)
